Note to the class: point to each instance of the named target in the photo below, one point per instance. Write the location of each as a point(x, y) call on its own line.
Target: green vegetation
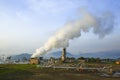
point(15, 71)
point(31, 72)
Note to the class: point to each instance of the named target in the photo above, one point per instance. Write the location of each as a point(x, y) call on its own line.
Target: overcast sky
point(26, 25)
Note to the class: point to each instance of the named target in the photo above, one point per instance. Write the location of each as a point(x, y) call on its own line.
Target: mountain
point(105, 54)
point(53, 54)
point(21, 56)
point(57, 54)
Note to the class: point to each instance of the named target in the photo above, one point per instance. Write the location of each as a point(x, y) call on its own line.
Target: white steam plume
point(101, 26)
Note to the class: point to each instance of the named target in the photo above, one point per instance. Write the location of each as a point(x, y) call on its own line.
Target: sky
point(26, 25)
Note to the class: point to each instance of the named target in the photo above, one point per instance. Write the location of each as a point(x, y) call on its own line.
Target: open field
point(31, 72)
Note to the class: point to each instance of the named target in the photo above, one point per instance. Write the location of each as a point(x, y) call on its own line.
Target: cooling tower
point(63, 55)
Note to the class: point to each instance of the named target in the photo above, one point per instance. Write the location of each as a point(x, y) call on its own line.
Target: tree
point(98, 60)
point(92, 59)
point(81, 58)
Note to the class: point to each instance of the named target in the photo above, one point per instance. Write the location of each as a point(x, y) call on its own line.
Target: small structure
point(34, 61)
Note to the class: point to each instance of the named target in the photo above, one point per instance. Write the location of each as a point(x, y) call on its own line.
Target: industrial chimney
point(63, 55)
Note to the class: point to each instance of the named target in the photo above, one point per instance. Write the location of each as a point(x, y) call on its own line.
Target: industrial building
point(39, 60)
point(34, 61)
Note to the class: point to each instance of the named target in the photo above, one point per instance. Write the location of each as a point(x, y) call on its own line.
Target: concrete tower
point(63, 55)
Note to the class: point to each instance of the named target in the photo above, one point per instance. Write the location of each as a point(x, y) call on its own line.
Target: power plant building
point(34, 61)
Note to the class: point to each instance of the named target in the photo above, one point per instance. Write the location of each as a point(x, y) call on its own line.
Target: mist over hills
point(105, 54)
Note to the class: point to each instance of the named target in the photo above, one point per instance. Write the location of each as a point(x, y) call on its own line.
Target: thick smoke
point(101, 26)
point(105, 25)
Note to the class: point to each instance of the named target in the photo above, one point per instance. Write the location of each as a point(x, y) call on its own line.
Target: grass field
point(31, 72)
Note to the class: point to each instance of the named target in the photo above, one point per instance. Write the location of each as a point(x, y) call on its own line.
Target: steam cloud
point(101, 26)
